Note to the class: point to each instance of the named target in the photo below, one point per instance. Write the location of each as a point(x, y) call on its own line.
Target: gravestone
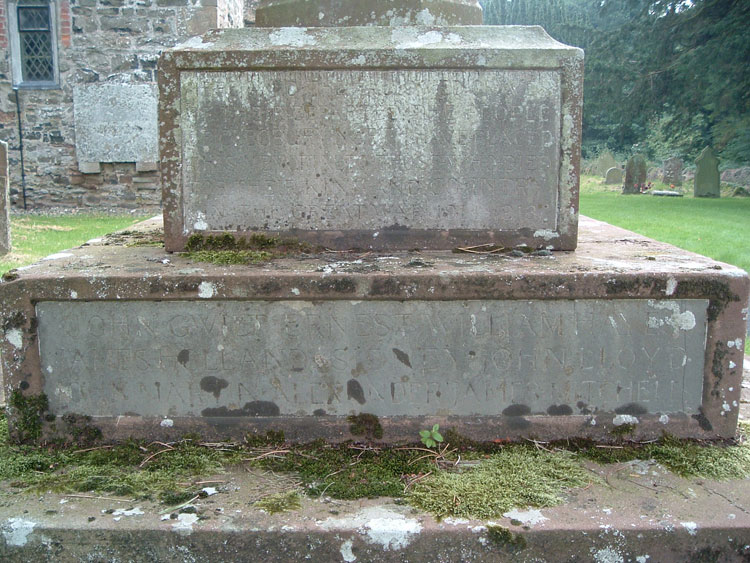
point(5, 243)
point(672, 171)
point(706, 182)
point(373, 137)
point(604, 162)
point(613, 175)
point(635, 174)
point(129, 340)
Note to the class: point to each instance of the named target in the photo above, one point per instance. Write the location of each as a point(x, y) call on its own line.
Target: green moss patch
point(134, 469)
point(226, 249)
point(517, 476)
point(229, 257)
point(280, 502)
point(29, 410)
point(504, 538)
point(682, 457)
point(348, 471)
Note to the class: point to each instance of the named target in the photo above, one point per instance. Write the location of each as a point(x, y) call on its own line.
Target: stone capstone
point(334, 13)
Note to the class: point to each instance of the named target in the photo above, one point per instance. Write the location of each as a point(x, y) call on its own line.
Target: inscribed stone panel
point(369, 149)
point(214, 358)
point(116, 122)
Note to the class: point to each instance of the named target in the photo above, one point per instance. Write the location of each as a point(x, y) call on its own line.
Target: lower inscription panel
point(260, 358)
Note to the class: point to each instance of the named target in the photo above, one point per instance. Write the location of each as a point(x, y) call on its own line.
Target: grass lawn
point(36, 236)
point(719, 228)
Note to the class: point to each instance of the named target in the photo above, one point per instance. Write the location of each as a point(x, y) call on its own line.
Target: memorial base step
point(637, 512)
point(624, 332)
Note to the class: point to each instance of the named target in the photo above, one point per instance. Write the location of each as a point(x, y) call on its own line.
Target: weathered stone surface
point(706, 182)
point(116, 122)
point(613, 175)
point(571, 344)
point(635, 174)
point(348, 150)
point(333, 13)
point(5, 242)
point(458, 358)
point(672, 171)
point(383, 145)
point(634, 512)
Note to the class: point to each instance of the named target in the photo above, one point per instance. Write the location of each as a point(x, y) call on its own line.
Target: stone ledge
point(643, 513)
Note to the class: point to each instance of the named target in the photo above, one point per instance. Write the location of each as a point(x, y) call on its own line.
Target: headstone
point(666, 193)
point(672, 171)
point(613, 175)
point(604, 162)
point(372, 137)
point(5, 243)
point(706, 182)
point(635, 175)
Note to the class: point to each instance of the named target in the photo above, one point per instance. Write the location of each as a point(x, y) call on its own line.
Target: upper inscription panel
point(370, 149)
point(258, 358)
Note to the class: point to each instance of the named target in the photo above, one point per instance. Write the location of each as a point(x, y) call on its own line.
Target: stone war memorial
point(431, 166)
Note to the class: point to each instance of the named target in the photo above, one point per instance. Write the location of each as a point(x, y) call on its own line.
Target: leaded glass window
point(35, 35)
point(33, 43)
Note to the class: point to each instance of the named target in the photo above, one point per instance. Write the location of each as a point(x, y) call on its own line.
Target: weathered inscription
point(428, 149)
point(302, 358)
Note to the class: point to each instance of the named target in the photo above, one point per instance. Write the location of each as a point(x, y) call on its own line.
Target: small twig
point(264, 455)
point(102, 498)
point(538, 444)
point(152, 456)
point(416, 480)
point(603, 447)
point(92, 449)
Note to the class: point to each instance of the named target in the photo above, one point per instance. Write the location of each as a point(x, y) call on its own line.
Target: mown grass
point(35, 236)
point(717, 228)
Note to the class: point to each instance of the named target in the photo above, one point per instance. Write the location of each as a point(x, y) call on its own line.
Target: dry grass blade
point(153, 455)
point(274, 453)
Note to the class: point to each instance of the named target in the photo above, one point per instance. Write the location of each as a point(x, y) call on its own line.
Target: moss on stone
point(280, 502)
point(503, 537)
point(517, 476)
point(226, 249)
point(365, 424)
point(348, 471)
point(229, 257)
point(29, 411)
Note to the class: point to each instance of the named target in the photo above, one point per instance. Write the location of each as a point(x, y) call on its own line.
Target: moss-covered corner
point(226, 249)
point(366, 425)
point(28, 412)
point(280, 502)
point(504, 538)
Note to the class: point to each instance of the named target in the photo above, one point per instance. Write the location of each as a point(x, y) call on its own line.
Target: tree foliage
point(669, 75)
